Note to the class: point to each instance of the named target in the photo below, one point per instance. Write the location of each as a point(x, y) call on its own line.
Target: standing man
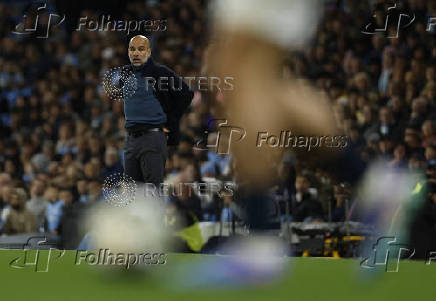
point(151, 113)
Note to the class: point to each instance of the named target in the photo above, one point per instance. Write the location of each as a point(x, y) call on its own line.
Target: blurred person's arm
point(262, 102)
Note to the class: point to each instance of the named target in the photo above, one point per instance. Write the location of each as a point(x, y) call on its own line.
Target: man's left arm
point(180, 97)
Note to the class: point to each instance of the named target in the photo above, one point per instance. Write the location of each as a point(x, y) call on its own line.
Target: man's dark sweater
point(143, 107)
point(173, 102)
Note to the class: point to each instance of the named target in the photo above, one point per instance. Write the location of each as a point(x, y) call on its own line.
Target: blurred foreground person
point(252, 51)
point(423, 229)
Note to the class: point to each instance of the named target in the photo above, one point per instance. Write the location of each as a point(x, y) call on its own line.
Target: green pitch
point(307, 279)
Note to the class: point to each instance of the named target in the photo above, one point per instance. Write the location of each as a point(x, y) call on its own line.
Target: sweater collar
point(147, 66)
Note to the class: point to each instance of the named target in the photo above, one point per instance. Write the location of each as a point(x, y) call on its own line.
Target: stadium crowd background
point(61, 136)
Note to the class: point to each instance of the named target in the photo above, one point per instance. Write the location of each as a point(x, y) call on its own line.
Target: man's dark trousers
point(145, 156)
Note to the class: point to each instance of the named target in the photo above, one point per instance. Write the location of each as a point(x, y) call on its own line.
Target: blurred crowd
point(61, 136)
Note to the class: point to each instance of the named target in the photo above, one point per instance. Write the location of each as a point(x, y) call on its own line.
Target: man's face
point(6, 193)
point(51, 194)
point(37, 188)
point(139, 51)
point(430, 153)
point(67, 196)
point(15, 202)
point(82, 186)
point(301, 184)
point(385, 116)
point(431, 173)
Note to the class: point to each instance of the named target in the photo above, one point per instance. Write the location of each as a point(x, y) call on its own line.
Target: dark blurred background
point(61, 136)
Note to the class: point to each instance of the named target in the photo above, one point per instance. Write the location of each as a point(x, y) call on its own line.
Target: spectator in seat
point(82, 190)
point(430, 152)
point(387, 125)
point(71, 227)
point(95, 193)
point(112, 163)
point(419, 110)
point(66, 139)
point(37, 203)
point(285, 187)
point(413, 141)
point(399, 160)
point(186, 198)
point(305, 207)
point(54, 209)
point(341, 196)
point(5, 207)
point(231, 210)
point(428, 130)
point(20, 220)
